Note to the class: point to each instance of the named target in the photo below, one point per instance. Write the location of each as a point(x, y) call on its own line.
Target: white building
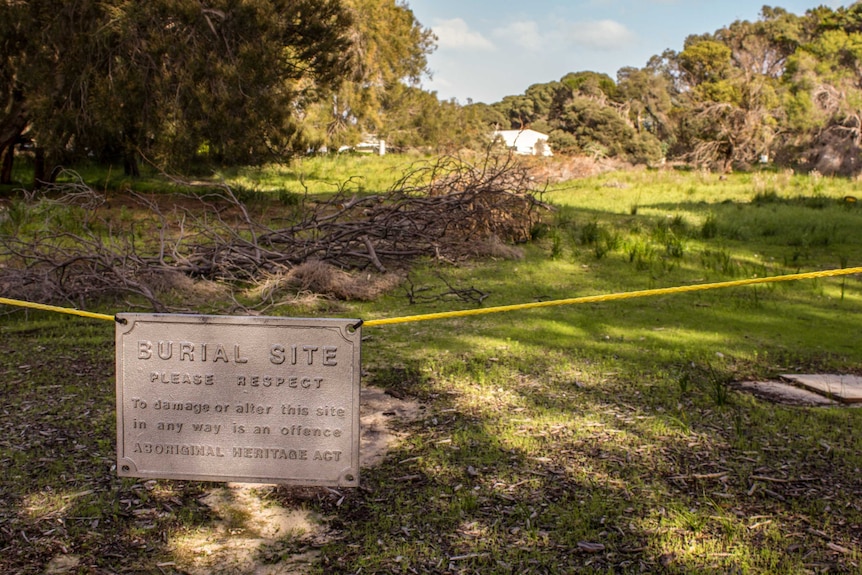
point(525, 142)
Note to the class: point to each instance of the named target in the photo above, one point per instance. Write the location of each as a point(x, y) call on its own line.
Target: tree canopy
point(786, 87)
point(232, 80)
point(247, 81)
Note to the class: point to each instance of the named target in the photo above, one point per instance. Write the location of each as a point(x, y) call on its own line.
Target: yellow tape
point(611, 297)
point(66, 310)
point(517, 307)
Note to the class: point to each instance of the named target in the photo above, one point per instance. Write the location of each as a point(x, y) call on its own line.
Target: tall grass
point(775, 217)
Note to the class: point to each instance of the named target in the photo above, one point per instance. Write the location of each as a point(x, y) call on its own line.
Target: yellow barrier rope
point(611, 297)
point(517, 307)
point(43, 307)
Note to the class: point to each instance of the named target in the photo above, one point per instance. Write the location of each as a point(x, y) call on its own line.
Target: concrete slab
point(781, 392)
point(844, 388)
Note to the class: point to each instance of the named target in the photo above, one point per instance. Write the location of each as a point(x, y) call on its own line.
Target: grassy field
point(605, 438)
point(313, 174)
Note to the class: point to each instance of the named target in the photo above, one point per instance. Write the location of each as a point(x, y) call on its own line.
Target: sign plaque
point(248, 399)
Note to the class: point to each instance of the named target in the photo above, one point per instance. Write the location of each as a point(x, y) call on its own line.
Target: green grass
point(357, 173)
point(314, 175)
point(601, 438)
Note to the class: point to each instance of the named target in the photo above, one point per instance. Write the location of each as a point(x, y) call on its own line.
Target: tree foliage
point(414, 118)
point(785, 87)
point(169, 78)
point(251, 80)
point(389, 49)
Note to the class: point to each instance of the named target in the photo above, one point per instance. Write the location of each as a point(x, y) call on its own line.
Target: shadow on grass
point(590, 472)
point(61, 504)
point(605, 438)
point(593, 439)
point(553, 454)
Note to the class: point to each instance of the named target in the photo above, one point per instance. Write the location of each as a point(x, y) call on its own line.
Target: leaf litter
point(487, 478)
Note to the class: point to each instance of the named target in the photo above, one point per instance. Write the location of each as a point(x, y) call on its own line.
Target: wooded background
point(185, 84)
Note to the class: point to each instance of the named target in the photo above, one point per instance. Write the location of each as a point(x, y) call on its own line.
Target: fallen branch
point(445, 210)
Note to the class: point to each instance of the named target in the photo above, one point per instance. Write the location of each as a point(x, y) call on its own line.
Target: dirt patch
point(246, 528)
point(62, 564)
point(565, 168)
point(378, 411)
point(255, 535)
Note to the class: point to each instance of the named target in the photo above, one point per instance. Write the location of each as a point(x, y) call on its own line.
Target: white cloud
point(598, 34)
point(604, 35)
point(524, 34)
point(456, 34)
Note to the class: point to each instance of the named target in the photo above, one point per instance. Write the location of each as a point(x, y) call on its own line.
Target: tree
point(600, 130)
point(389, 49)
point(13, 114)
point(544, 95)
point(415, 118)
point(31, 76)
point(761, 48)
point(731, 101)
point(824, 98)
point(174, 78)
point(520, 111)
point(230, 79)
point(647, 93)
point(784, 86)
point(705, 62)
point(592, 84)
point(489, 116)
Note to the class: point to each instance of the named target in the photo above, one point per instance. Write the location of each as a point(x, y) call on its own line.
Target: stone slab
point(785, 393)
point(843, 388)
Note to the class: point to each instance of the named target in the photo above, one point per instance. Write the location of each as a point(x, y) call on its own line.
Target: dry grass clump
point(193, 291)
point(325, 279)
point(562, 169)
point(493, 247)
point(315, 279)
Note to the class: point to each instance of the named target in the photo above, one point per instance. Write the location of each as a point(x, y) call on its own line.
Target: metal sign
point(248, 399)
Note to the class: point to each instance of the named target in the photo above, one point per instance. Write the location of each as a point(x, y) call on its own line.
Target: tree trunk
point(130, 164)
point(12, 125)
point(43, 172)
point(39, 178)
point(728, 159)
point(7, 154)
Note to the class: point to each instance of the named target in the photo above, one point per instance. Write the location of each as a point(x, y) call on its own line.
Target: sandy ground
point(252, 535)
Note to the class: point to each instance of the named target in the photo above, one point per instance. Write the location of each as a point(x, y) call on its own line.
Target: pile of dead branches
point(448, 210)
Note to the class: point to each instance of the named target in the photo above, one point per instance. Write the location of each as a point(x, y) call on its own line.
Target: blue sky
point(488, 49)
